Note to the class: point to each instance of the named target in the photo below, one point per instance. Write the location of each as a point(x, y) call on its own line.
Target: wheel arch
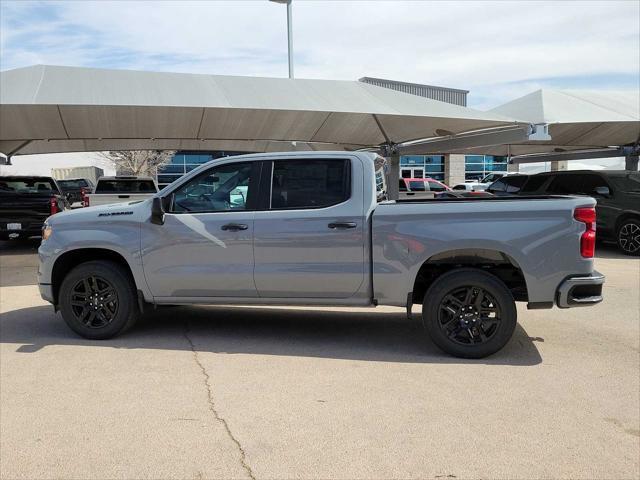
point(624, 217)
point(72, 258)
point(496, 262)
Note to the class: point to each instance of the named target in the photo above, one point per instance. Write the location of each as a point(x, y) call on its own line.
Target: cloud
point(498, 50)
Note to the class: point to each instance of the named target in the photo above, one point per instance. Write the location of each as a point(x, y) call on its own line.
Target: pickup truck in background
point(307, 229)
point(25, 203)
point(121, 189)
point(75, 190)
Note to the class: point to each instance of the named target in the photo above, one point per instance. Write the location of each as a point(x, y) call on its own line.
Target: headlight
point(46, 232)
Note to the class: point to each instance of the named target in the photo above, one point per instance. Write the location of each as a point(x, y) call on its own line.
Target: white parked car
point(121, 189)
point(482, 184)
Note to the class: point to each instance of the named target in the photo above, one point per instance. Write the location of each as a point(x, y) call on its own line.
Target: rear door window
point(565, 185)
point(417, 186)
point(310, 183)
point(126, 186)
point(534, 183)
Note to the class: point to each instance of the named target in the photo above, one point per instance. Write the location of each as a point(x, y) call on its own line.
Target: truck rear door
point(309, 235)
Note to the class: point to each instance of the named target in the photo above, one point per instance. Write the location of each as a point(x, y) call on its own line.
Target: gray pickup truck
point(307, 229)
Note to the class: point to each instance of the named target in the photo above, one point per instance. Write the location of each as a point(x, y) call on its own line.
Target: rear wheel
point(628, 236)
point(469, 313)
point(97, 300)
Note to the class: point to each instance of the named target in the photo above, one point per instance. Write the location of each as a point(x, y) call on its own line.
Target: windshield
point(38, 185)
point(125, 186)
point(492, 177)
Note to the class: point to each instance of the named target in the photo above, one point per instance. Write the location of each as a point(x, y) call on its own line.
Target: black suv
point(617, 194)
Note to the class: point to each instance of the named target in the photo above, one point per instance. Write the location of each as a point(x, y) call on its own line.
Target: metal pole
point(393, 176)
point(290, 37)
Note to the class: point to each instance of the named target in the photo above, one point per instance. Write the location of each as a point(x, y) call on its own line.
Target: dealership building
point(450, 168)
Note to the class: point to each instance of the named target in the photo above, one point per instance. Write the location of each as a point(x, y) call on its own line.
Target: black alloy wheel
point(94, 301)
point(469, 315)
point(98, 299)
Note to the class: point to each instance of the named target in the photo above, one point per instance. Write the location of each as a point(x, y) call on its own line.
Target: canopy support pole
point(392, 170)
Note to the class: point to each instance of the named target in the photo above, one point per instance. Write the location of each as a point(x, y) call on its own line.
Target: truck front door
point(205, 246)
point(309, 236)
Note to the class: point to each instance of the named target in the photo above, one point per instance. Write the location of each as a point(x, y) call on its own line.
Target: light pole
point(289, 33)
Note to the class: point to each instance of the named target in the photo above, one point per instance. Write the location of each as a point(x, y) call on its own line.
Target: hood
point(133, 211)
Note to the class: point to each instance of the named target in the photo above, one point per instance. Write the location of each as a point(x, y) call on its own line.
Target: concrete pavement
point(236, 392)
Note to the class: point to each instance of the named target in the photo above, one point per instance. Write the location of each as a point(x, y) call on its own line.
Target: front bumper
point(580, 291)
point(46, 292)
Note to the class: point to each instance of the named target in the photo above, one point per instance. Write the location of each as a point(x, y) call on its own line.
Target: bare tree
point(138, 162)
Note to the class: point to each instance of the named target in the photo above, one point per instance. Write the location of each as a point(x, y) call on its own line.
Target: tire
point(628, 236)
point(456, 325)
point(83, 289)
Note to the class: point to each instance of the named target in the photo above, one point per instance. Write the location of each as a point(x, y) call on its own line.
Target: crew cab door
point(309, 236)
point(205, 246)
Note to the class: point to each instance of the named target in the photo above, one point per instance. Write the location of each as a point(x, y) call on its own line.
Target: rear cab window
point(28, 185)
point(125, 185)
point(310, 184)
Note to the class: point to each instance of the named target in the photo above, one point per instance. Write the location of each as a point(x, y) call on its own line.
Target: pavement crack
point(212, 404)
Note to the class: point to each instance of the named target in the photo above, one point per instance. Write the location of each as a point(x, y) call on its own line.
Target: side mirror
point(602, 191)
point(157, 211)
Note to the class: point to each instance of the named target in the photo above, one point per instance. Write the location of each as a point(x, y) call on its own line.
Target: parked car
point(121, 189)
point(507, 185)
point(617, 194)
point(420, 187)
point(309, 231)
point(76, 190)
point(468, 187)
point(25, 203)
point(481, 184)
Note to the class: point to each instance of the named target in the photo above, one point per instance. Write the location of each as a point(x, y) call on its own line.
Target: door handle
point(234, 227)
point(336, 225)
point(124, 196)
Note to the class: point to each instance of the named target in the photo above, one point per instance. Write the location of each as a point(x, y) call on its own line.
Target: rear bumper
point(580, 291)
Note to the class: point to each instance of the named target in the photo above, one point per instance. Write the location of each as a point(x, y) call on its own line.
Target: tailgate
point(28, 210)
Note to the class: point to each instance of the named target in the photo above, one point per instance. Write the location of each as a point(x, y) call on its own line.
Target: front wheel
point(469, 313)
point(97, 300)
point(628, 236)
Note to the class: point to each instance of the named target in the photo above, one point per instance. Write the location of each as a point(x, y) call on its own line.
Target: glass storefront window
point(477, 166)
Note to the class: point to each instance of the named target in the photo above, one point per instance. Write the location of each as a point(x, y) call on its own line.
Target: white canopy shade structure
point(581, 124)
point(48, 109)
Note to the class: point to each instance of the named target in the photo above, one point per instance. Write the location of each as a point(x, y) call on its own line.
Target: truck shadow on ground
point(357, 335)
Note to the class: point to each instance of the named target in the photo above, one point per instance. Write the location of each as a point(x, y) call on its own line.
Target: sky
point(497, 50)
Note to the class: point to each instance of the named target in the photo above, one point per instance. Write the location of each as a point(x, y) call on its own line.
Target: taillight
point(53, 205)
point(587, 215)
point(84, 197)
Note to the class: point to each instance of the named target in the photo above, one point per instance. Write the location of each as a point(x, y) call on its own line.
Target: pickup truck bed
point(307, 229)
